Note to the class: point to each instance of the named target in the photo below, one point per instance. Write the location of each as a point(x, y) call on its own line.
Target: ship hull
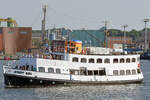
point(21, 81)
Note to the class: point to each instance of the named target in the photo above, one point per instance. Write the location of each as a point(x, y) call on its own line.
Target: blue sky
point(77, 14)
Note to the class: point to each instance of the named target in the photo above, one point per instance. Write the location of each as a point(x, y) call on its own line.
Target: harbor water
point(98, 92)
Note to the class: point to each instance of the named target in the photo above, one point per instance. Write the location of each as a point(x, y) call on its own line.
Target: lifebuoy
point(139, 65)
point(83, 51)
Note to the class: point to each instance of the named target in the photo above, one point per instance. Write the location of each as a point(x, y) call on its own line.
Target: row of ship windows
point(50, 70)
point(126, 72)
point(95, 72)
point(106, 60)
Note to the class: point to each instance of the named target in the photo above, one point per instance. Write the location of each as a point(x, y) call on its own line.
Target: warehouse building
point(15, 39)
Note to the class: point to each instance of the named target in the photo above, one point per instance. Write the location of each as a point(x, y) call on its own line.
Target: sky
point(78, 14)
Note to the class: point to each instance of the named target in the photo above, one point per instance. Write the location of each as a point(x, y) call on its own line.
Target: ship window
point(95, 72)
point(75, 59)
point(91, 60)
point(128, 72)
point(128, 60)
point(58, 70)
point(122, 72)
point(76, 72)
point(102, 72)
point(51, 70)
point(83, 60)
point(121, 60)
point(115, 60)
point(107, 60)
point(115, 72)
point(139, 71)
point(72, 72)
point(90, 72)
point(133, 72)
point(133, 59)
point(41, 69)
point(99, 60)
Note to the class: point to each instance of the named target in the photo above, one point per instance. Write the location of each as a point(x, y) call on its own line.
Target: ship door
point(83, 71)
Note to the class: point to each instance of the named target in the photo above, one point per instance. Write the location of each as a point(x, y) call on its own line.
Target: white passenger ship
point(74, 69)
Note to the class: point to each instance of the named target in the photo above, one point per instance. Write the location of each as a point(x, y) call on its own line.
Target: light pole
point(105, 38)
point(145, 45)
point(124, 32)
point(44, 7)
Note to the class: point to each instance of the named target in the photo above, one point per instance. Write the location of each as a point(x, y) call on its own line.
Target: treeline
point(133, 33)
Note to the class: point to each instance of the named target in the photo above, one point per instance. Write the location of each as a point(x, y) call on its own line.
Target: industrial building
point(113, 42)
point(15, 39)
point(88, 37)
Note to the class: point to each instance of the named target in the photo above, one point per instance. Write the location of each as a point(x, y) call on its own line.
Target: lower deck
point(24, 77)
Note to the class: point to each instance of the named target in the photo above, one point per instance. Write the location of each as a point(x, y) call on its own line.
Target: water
point(101, 92)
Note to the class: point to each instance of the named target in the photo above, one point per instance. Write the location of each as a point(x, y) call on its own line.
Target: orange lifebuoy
point(83, 51)
point(139, 65)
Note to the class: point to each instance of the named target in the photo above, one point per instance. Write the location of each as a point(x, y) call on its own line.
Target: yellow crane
point(10, 22)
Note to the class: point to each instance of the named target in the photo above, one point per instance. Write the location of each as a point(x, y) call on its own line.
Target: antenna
point(145, 21)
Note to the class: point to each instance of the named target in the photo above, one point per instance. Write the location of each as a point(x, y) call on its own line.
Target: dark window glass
point(83, 60)
point(128, 72)
point(128, 60)
point(122, 72)
point(41, 69)
point(107, 60)
point(99, 60)
point(133, 72)
point(58, 70)
point(115, 60)
point(121, 60)
point(95, 72)
point(102, 72)
point(90, 72)
point(115, 72)
point(75, 59)
point(51, 70)
point(133, 59)
point(91, 60)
